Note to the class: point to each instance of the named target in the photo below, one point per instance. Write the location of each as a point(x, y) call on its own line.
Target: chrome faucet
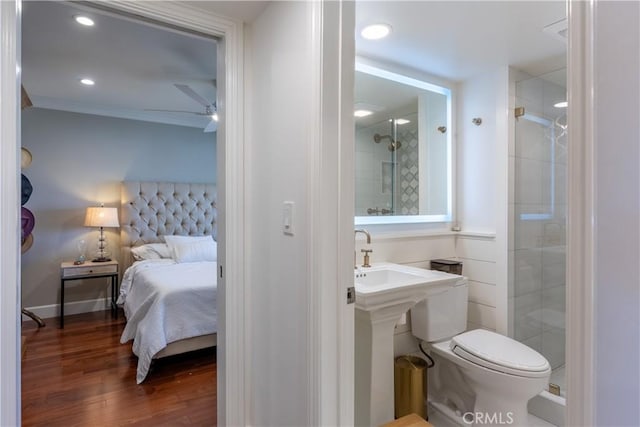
point(365, 251)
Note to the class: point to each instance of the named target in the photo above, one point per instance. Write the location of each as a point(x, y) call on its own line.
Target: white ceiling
point(458, 39)
point(242, 10)
point(135, 65)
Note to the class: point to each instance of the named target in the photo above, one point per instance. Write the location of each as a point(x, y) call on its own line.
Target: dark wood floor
point(82, 376)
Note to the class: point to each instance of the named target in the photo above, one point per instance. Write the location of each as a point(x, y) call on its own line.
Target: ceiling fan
point(209, 108)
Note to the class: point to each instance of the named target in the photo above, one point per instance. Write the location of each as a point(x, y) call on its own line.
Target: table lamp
point(101, 217)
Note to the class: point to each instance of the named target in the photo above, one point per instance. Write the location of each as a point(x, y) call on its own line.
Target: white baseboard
point(74, 307)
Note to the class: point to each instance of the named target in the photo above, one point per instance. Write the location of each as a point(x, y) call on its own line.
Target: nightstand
point(89, 270)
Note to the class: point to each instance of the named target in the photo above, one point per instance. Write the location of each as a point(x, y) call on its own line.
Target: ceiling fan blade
point(211, 127)
point(175, 111)
point(192, 94)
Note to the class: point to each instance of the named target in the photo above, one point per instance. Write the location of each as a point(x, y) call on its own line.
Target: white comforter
point(165, 302)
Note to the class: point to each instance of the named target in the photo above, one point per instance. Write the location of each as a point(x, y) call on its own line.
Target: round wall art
point(27, 189)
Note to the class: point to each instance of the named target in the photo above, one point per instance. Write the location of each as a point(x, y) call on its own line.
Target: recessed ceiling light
point(563, 104)
point(87, 82)
point(362, 113)
point(376, 31)
point(402, 121)
point(214, 117)
point(84, 20)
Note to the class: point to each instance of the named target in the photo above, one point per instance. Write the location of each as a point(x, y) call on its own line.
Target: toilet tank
point(443, 315)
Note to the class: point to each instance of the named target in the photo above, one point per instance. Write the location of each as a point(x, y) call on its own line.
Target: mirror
point(403, 149)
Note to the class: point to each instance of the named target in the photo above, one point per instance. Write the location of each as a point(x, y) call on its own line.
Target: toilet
point(499, 374)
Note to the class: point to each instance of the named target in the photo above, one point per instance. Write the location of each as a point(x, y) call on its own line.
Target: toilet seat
point(499, 353)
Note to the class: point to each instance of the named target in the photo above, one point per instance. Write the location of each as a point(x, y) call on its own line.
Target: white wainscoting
point(417, 251)
point(478, 256)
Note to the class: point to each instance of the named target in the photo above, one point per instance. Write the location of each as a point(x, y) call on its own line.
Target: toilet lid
point(500, 353)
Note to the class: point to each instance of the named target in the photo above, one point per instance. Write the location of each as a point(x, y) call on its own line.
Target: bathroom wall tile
point(511, 226)
point(528, 180)
point(547, 189)
point(528, 271)
point(528, 93)
point(560, 183)
point(511, 324)
point(560, 147)
point(535, 342)
point(362, 142)
point(554, 233)
point(426, 264)
point(553, 275)
point(479, 271)
point(364, 165)
point(554, 303)
point(554, 254)
point(482, 293)
point(482, 315)
point(527, 231)
point(528, 321)
point(560, 212)
point(511, 267)
point(478, 249)
point(551, 94)
point(409, 250)
point(553, 347)
point(531, 141)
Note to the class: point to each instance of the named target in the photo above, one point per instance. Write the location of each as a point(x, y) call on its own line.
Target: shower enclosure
point(538, 220)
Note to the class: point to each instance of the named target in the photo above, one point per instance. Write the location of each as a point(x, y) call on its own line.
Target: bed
point(168, 299)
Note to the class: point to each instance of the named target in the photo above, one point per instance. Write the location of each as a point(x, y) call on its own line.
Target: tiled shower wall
point(408, 175)
point(373, 167)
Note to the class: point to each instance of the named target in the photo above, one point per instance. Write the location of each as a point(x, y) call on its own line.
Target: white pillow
point(192, 248)
point(151, 251)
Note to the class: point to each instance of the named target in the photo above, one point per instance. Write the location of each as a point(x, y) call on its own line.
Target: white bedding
point(165, 301)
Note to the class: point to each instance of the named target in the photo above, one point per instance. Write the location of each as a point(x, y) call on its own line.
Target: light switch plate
point(287, 218)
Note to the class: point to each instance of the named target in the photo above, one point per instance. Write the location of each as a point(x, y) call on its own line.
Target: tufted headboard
point(150, 210)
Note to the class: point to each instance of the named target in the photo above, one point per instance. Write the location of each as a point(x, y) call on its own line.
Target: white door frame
point(581, 262)
point(331, 195)
point(10, 17)
point(232, 342)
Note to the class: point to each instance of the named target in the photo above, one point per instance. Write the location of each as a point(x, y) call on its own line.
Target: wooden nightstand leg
point(114, 286)
point(61, 304)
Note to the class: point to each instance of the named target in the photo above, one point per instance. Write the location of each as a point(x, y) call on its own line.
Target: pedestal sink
point(384, 292)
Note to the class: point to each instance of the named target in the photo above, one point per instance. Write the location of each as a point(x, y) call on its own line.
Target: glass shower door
point(537, 267)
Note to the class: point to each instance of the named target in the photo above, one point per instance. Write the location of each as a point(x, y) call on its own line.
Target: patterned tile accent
point(408, 179)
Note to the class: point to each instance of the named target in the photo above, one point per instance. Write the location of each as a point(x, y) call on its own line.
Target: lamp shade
point(101, 217)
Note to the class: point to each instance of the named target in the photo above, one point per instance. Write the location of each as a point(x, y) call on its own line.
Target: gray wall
point(79, 161)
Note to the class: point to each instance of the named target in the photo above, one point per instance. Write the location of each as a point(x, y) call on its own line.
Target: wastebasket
point(409, 381)
point(447, 265)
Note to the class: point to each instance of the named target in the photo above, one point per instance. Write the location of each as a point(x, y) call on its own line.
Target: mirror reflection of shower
point(403, 148)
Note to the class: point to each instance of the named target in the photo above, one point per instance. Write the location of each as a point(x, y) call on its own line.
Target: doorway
point(88, 138)
point(229, 83)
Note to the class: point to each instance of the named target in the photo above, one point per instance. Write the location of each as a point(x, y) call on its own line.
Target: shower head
point(393, 145)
